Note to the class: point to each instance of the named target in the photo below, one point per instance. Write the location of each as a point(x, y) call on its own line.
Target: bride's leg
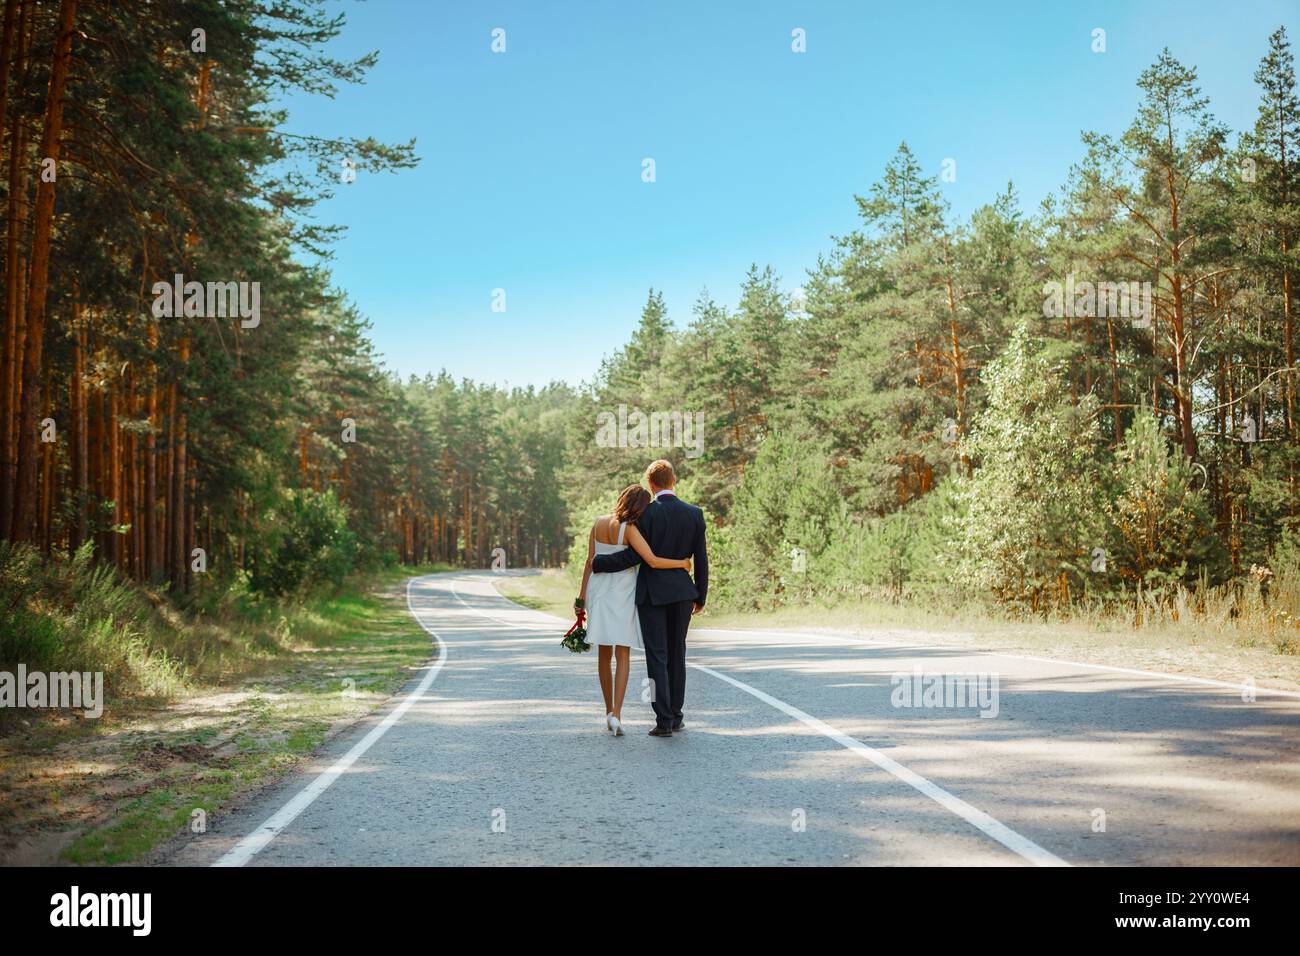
point(603, 655)
point(622, 655)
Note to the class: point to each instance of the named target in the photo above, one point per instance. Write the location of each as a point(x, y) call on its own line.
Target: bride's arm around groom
point(673, 529)
point(666, 599)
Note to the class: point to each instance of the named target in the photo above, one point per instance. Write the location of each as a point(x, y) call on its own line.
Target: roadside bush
point(1033, 507)
point(783, 505)
point(60, 613)
point(1162, 530)
point(311, 545)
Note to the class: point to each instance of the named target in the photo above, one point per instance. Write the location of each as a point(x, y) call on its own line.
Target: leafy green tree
point(312, 545)
point(1159, 178)
point(781, 520)
point(1033, 507)
point(1163, 529)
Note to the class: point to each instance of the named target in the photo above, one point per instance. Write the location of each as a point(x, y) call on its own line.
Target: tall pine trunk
point(153, 565)
point(179, 552)
point(81, 443)
point(25, 499)
point(15, 283)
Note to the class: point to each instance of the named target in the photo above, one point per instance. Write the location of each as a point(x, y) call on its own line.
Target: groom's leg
point(679, 619)
point(654, 635)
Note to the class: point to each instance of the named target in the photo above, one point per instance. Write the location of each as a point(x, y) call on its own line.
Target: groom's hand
point(698, 607)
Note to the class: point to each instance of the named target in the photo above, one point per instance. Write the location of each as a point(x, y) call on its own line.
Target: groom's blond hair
point(660, 474)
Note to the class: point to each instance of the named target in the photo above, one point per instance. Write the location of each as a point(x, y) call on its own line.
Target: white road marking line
point(958, 650)
point(977, 818)
point(1182, 678)
point(248, 847)
point(503, 623)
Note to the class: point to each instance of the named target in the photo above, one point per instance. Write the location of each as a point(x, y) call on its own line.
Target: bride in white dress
point(610, 599)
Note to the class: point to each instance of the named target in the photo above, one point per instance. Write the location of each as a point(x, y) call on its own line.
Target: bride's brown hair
point(631, 503)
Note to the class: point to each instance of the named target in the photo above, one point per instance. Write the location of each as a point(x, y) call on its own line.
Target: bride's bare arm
point(586, 571)
point(638, 543)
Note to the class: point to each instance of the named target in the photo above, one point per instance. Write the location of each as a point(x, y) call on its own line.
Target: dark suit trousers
point(663, 632)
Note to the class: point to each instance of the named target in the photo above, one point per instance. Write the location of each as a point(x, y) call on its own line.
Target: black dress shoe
point(661, 732)
point(680, 725)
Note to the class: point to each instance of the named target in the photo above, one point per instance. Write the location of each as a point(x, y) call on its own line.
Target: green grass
point(109, 791)
point(551, 591)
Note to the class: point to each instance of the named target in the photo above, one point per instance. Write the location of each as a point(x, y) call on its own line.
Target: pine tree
point(1033, 506)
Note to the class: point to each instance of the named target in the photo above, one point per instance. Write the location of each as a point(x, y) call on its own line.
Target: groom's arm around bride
point(672, 528)
point(666, 598)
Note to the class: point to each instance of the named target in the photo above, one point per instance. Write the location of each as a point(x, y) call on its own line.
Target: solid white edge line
point(958, 650)
point(481, 613)
point(1013, 841)
point(1181, 678)
point(248, 847)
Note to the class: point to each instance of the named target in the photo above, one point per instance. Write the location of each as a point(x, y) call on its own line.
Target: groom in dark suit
point(667, 598)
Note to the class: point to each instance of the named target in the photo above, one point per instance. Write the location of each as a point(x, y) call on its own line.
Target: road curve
point(795, 753)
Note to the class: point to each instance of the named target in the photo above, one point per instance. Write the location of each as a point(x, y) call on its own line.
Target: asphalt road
point(798, 750)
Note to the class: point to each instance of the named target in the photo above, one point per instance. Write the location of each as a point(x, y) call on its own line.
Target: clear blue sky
point(530, 177)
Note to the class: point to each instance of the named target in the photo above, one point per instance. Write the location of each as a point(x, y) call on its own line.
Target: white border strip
point(539, 626)
point(256, 841)
point(1008, 837)
point(1181, 678)
point(958, 650)
point(1013, 841)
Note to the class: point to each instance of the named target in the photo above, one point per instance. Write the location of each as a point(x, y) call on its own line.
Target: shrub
point(1162, 529)
point(1033, 507)
point(311, 545)
point(60, 613)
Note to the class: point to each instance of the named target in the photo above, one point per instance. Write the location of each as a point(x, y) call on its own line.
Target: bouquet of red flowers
point(575, 639)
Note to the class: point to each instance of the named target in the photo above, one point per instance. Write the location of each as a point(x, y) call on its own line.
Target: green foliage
point(1033, 505)
point(870, 558)
point(782, 511)
point(919, 425)
point(72, 614)
point(312, 545)
point(1163, 531)
point(906, 554)
point(1286, 555)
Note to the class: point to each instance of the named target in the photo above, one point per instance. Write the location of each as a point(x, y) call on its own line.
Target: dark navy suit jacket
point(673, 529)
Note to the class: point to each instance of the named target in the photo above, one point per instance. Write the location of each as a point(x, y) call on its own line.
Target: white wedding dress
point(611, 602)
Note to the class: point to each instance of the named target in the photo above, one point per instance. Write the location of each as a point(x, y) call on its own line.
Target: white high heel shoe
point(615, 725)
point(609, 721)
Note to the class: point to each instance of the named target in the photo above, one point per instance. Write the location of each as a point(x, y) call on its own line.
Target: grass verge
point(108, 791)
